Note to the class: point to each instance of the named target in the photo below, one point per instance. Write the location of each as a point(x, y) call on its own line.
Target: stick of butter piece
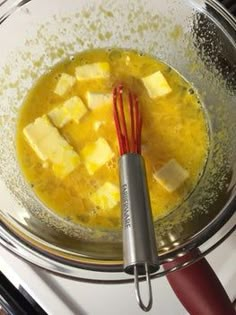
point(50, 146)
point(99, 70)
point(64, 84)
point(35, 133)
point(68, 163)
point(76, 108)
point(59, 116)
point(95, 100)
point(96, 154)
point(72, 109)
point(98, 124)
point(156, 85)
point(106, 197)
point(171, 176)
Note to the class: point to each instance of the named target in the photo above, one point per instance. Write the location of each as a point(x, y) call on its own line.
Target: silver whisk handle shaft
point(139, 243)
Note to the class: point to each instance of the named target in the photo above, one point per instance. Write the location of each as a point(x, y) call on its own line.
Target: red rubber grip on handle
point(198, 288)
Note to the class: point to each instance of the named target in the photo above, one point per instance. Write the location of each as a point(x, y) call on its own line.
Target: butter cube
point(96, 154)
point(51, 147)
point(156, 85)
point(98, 124)
point(59, 116)
point(35, 133)
point(68, 163)
point(72, 109)
point(75, 108)
point(106, 197)
point(171, 176)
point(54, 146)
point(64, 84)
point(100, 70)
point(95, 100)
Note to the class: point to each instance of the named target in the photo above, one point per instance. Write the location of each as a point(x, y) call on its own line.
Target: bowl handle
point(198, 288)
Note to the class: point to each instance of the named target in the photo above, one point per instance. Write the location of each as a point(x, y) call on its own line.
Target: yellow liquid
point(174, 126)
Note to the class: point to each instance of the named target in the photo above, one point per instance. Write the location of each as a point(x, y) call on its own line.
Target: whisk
point(139, 244)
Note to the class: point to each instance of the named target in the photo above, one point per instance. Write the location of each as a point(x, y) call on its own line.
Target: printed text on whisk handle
point(125, 206)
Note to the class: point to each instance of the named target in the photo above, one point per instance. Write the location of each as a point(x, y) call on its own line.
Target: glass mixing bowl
point(198, 38)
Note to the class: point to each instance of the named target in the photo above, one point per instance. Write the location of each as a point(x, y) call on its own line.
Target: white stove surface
point(57, 295)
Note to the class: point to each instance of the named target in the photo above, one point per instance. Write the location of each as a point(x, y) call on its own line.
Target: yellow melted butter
point(174, 126)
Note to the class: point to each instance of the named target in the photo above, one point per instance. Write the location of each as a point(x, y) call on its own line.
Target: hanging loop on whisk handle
point(139, 243)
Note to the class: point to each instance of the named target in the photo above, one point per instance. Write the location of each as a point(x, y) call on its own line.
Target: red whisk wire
point(117, 121)
point(123, 121)
point(129, 140)
point(139, 125)
point(131, 109)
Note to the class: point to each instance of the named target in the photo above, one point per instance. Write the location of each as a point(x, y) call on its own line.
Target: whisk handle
point(139, 243)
